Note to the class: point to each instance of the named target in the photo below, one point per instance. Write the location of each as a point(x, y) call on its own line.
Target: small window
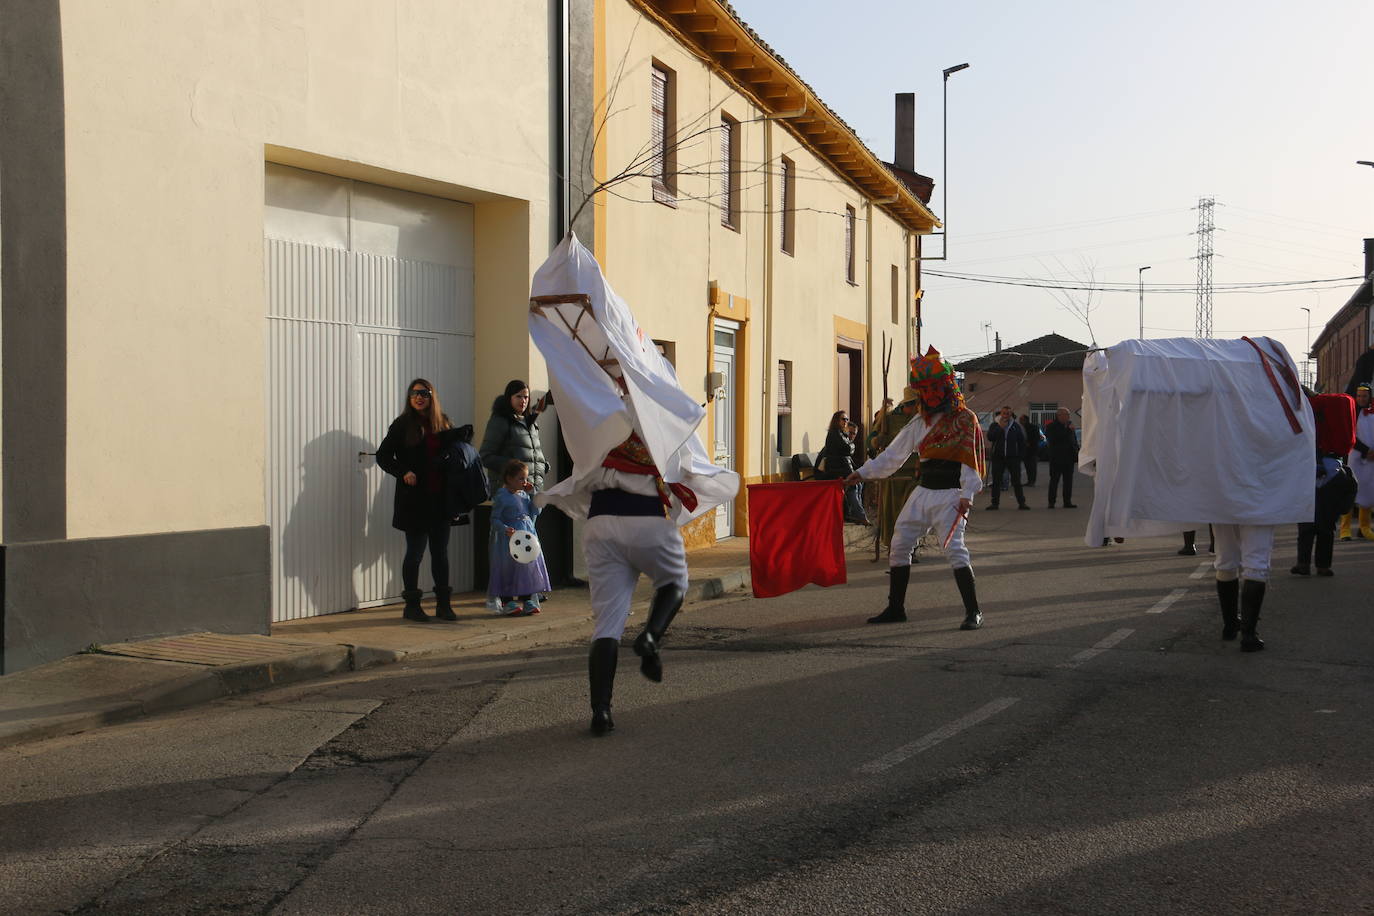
point(787, 206)
point(784, 445)
point(729, 172)
point(896, 296)
point(669, 350)
point(849, 245)
point(662, 137)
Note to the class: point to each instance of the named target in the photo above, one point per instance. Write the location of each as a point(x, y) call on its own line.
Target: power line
point(1120, 287)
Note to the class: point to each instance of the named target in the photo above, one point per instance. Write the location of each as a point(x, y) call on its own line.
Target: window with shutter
point(784, 420)
point(787, 205)
point(729, 172)
point(784, 396)
point(661, 167)
point(849, 244)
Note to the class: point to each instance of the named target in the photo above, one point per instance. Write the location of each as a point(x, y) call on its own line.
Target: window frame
point(850, 240)
point(662, 133)
point(787, 207)
point(729, 177)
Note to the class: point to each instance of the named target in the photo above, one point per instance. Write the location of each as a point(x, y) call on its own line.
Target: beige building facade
point(231, 234)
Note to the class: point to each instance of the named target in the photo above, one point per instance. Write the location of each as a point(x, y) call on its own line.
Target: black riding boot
point(442, 609)
point(662, 610)
point(895, 612)
point(601, 662)
point(1189, 544)
point(413, 611)
point(973, 618)
point(1251, 597)
point(1228, 594)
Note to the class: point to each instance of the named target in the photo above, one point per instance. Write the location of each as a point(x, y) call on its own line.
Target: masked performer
point(949, 442)
point(639, 470)
point(1361, 462)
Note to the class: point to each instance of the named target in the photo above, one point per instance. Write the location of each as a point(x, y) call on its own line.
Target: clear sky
point(1083, 135)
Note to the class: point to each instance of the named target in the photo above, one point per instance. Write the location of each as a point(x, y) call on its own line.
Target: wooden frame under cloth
point(544, 304)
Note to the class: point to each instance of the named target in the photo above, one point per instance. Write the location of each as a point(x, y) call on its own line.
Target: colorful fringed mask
point(933, 379)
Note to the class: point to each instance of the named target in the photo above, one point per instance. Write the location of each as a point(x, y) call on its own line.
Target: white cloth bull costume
point(1181, 432)
point(639, 470)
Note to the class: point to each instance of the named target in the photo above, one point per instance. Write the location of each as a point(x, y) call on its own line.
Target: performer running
point(639, 468)
point(949, 441)
point(1362, 462)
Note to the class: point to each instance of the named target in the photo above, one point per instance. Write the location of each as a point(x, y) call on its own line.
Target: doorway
point(726, 334)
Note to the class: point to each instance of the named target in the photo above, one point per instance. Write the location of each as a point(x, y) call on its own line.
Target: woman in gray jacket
point(513, 435)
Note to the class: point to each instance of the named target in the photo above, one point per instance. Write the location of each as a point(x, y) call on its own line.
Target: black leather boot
point(1228, 594)
point(1189, 544)
point(973, 618)
point(442, 609)
point(895, 612)
point(601, 661)
point(413, 611)
point(1251, 597)
point(667, 601)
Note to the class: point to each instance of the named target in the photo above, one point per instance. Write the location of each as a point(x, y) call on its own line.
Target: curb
point(207, 684)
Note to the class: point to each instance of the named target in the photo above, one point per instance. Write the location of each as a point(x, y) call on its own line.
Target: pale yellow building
point(760, 240)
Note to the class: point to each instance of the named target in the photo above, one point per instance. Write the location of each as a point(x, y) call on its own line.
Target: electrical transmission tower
point(1204, 267)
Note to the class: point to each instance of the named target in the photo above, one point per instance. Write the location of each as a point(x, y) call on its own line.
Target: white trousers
point(619, 548)
point(926, 509)
point(1243, 550)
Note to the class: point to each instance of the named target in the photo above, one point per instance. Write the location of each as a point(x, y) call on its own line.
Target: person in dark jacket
point(837, 463)
point(1033, 439)
point(512, 435)
point(415, 452)
point(1063, 445)
point(1006, 450)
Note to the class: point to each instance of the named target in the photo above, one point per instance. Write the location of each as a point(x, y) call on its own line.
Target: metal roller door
point(367, 288)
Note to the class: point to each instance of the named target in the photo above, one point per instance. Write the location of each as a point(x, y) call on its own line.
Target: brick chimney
point(904, 156)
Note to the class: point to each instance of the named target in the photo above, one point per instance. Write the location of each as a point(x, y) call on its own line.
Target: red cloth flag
point(796, 535)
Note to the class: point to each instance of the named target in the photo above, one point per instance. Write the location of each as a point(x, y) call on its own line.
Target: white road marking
point(926, 742)
point(1167, 601)
point(1201, 571)
point(1097, 650)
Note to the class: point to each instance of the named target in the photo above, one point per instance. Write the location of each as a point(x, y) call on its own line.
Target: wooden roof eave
point(711, 31)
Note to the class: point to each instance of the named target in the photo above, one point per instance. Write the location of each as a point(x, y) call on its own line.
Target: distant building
point(1348, 335)
point(1036, 377)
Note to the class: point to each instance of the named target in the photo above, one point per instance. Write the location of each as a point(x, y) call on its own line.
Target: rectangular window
point(849, 244)
point(787, 206)
point(729, 172)
point(784, 445)
point(662, 105)
point(669, 350)
point(896, 296)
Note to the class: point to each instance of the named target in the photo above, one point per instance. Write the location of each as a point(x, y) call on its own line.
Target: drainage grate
point(208, 649)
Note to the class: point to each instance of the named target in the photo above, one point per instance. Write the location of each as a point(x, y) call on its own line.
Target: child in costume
point(515, 584)
point(947, 438)
point(1361, 462)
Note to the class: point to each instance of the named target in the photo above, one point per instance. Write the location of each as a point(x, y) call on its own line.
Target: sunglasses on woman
point(421, 393)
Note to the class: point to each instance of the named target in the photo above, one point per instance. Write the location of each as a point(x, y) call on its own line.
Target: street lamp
point(1307, 352)
point(944, 152)
point(1140, 283)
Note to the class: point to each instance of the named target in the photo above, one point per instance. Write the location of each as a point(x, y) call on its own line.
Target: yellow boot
point(1345, 527)
point(1365, 531)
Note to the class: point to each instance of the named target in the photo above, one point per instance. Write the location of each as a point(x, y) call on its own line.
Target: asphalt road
point(1096, 748)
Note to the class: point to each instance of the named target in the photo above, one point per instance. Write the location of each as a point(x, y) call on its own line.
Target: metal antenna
point(1204, 267)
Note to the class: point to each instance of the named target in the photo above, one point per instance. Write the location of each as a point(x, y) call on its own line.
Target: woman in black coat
point(837, 463)
point(512, 435)
point(415, 452)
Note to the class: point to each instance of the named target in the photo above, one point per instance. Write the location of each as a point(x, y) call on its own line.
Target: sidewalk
point(128, 680)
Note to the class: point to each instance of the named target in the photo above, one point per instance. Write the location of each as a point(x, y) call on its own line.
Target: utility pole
point(1204, 267)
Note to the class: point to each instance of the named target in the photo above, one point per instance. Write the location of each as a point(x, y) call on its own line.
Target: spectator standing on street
point(515, 584)
point(414, 452)
point(512, 435)
point(837, 463)
point(1063, 445)
point(1008, 449)
point(1033, 439)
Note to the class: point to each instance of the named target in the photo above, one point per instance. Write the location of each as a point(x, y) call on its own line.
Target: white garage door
point(367, 288)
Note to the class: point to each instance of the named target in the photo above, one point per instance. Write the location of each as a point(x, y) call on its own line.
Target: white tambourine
point(524, 547)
